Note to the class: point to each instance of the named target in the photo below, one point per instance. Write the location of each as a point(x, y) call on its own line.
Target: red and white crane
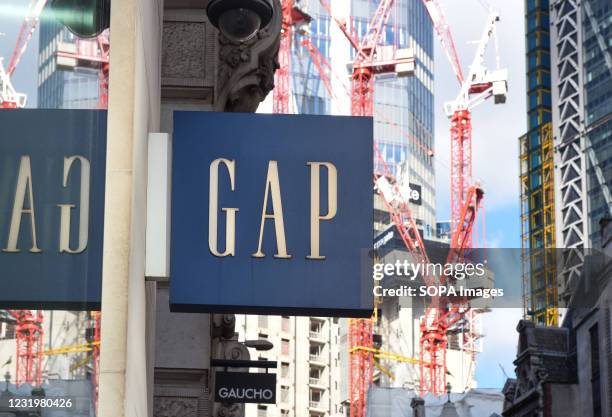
point(26, 31)
point(438, 19)
point(480, 84)
point(29, 341)
point(441, 315)
point(466, 198)
point(9, 97)
point(371, 59)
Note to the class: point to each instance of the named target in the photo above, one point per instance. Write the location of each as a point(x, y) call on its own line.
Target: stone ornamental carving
point(543, 358)
point(246, 69)
point(181, 393)
point(188, 55)
point(173, 407)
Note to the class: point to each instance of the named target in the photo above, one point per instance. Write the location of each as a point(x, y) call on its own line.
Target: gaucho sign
point(244, 387)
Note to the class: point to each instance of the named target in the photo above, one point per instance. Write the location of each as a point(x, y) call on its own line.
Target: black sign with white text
point(414, 194)
point(244, 387)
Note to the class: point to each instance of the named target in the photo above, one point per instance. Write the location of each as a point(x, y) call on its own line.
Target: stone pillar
point(133, 111)
point(117, 213)
point(182, 361)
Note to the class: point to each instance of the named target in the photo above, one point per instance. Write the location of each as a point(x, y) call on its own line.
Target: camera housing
point(239, 20)
point(84, 18)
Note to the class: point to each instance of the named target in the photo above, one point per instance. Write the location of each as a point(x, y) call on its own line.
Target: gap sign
point(271, 214)
point(52, 169)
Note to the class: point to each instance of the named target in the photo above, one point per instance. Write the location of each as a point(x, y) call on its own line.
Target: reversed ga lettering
point(24, 193)
point(272, 188)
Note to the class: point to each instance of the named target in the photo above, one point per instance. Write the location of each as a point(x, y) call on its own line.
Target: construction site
point(413, 356)
point(425, 347)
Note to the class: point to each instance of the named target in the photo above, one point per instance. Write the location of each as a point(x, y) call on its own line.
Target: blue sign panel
point(52, 169)
point(271, 214)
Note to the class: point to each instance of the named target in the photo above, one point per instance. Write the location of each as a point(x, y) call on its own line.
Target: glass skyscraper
point(566, 154)
point(61, 83)
point(597, 97)
point(582, 95)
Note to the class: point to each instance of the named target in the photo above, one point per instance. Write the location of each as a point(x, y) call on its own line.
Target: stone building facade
point(567, 371)
point(202, 70)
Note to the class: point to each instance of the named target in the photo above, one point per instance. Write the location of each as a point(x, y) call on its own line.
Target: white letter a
point(24, 182)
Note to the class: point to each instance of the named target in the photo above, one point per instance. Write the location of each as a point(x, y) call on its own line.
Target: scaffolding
point(538, 240)
point(539, 284)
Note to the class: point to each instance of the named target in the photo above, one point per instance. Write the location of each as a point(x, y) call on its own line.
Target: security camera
point(239, 20)
point(84, 18)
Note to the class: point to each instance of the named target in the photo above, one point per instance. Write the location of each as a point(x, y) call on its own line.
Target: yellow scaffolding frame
point(83, 347)
point(539, 283)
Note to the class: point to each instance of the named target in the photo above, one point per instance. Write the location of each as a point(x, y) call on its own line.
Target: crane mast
point(321, 64)
point(25, 33)
point(281, 88)
point(29, 341)
point(466, 197)
point(438, 19)
point(362, 88)
point(479, 85)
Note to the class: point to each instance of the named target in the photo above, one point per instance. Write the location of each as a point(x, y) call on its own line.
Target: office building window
point(7, 331)
point(286, 324)
point(284, 370)
point(284, 394)
point(285, 348)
